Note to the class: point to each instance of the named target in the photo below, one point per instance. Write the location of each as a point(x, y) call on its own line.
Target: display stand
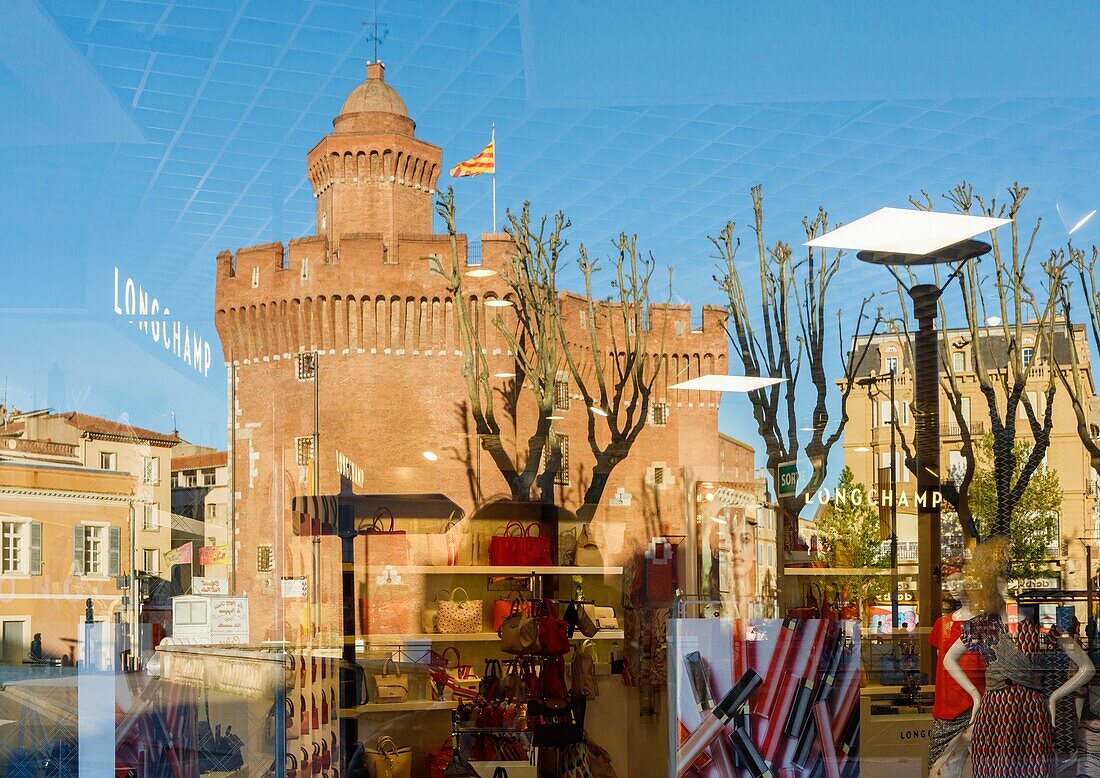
point(350, 511)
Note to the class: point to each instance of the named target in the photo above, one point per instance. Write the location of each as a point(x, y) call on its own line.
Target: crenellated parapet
point(682, 351)
point(373, 159)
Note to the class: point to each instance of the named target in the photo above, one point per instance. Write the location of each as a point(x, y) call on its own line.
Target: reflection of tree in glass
point(1001, 308)
point(851, 532)
point(783, 335)
point(603, 344)
point(1076, 381)
point(1034, 516)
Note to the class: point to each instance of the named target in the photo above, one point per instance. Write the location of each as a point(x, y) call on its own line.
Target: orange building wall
point(362, 293)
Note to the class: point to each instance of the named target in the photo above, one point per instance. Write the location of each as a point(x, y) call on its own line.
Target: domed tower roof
point(374, 105)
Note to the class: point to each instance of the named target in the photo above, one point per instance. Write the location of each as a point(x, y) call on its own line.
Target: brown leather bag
point(519, 633)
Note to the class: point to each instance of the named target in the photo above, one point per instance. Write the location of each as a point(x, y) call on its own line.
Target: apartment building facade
point(867, 436)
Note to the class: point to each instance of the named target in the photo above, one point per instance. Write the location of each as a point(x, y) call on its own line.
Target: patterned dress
point(1013, 736)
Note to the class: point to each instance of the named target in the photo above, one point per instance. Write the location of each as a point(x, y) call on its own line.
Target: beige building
point(200, 506)
point(64, 539)
point(867, 435)
point(103, 444)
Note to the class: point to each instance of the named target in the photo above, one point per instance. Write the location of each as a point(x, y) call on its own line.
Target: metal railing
point(952, 430)
point(907, 550)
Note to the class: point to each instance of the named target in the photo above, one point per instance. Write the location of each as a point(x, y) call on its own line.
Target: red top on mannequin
point(951, 701)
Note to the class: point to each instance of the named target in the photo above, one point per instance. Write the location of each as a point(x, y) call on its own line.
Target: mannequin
point(1012, 725)
point(952, 709)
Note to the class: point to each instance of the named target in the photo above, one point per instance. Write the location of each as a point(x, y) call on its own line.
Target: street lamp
point(901, 237)
point(870, 382)
point(1090, 587)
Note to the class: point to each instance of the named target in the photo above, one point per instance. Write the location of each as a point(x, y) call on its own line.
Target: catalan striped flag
point(485, 162)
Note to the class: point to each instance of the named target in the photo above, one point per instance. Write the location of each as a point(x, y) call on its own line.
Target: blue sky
point(148, 136)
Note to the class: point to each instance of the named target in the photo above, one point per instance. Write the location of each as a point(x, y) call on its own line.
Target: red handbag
point(439, 759)
point(553, 630)
point(503, 608)
point(552, 679)
point(393, 615)
point(522, 549)
point(385, 545)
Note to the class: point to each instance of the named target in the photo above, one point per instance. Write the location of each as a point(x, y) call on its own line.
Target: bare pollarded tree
point(1001, 308)
point(531, 332)
point(787, 338)
point(615, 368)
point(1076, 381)
point(611, 363)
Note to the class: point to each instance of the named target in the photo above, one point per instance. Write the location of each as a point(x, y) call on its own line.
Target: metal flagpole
point(493, 139)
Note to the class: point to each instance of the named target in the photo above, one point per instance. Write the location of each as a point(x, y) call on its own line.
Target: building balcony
point(908, 550)
point(952, 430)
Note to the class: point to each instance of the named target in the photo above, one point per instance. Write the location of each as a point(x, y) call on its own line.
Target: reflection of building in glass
point(766, 549)
point(70, 448)
point(867, 436)
point(391, 398)
point(200, 507)
point(64, 532)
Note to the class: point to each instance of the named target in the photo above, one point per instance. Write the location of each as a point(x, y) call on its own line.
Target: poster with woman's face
point(727, 549)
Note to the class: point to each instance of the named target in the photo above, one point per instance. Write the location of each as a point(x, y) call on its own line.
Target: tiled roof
point(96, 425)
point(199, 461)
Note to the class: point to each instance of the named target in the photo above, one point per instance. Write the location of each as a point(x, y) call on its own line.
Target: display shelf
point(394, 707)
point(495, 570)
point(463, 637)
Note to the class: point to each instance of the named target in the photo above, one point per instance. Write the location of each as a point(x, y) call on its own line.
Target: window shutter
point(114, 552)
point(36, 548)
point(78, 549)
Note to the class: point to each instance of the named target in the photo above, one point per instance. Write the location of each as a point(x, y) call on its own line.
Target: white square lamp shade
point(906, 231)
point(727, 383)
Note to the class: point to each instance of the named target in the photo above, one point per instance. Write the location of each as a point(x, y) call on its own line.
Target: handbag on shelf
point(459, 767)
point(389, 761)
point(505, 606)
point(489, 688)
point(437, 549)
point(512, 685)
point(588, 553)
point(567, 547)
point(586, 620)
point(525, 548)
point(519, 633)
point(390, 609)
point(385, 545)
point(583, 671)
point(293, 723)
point(457, 681)
point(553, 630)
point(391, 687)
point(459, 616)
point(603, 616)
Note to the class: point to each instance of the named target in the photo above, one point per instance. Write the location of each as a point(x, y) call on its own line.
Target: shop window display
point(543, 402)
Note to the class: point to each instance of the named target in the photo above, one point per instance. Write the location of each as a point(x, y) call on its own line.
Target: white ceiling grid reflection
point(229, 97)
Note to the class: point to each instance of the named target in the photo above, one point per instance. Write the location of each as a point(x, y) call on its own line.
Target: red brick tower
point(361, 295)
point(372, 175)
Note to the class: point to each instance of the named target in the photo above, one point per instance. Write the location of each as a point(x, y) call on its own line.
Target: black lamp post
point(926, 415)
point(911, 238)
